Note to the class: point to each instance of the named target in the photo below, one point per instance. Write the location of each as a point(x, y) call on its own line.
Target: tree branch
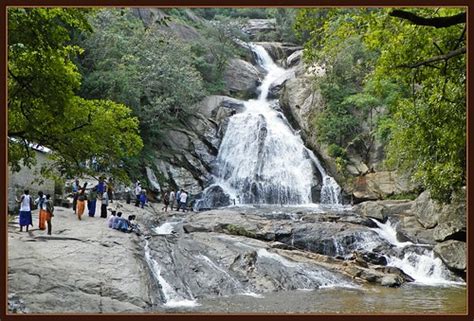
point(445, 57)
point(438, 22)
point(89, 120)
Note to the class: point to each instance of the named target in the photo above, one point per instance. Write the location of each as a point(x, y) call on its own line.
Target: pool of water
point(409, 299)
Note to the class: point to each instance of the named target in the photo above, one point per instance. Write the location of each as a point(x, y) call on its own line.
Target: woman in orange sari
point(41, 203)
point(81, 201)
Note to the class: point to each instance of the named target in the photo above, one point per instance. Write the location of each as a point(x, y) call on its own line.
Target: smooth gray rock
point(241, 78)
point(84, 266)
point(452, 221)
point(426, 210)
point(453, 253)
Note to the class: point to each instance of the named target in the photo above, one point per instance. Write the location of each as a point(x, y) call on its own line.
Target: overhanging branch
point(445, 57)
point(437, 22)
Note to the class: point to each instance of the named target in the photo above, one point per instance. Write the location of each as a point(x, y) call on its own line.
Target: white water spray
point(423, 265)
point(261, 160)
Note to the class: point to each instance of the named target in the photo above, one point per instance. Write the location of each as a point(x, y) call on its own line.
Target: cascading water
point(261, 160)
point(170, 296)
point(421, 265)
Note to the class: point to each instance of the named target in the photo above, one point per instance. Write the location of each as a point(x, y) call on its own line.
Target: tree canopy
point(43, 105)
point(418, 57)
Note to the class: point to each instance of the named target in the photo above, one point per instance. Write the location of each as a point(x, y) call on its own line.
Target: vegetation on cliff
point(408, 68)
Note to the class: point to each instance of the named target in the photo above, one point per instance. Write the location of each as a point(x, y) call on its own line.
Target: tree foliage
point(419, 74)
point(43, 105)
point(146, 69)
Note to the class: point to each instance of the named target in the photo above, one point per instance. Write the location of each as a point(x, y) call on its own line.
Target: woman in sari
point(41, 203)
point(81, 202)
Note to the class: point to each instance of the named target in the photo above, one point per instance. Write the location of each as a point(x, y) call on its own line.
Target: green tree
point(422, 53)
point(43, 107)
point(143, 68)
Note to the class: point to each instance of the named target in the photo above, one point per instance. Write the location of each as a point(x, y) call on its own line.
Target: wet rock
point(280, 51)
point(453, 254)
point(372, 210)
point(374, 258)
point(241, 78)
point(395, 271)
point(391, 280)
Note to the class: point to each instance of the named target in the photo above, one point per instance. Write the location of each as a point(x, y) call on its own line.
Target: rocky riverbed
point(185, 262)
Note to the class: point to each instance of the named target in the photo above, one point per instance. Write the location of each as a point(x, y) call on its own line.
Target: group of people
point(102, 192)
point(117, 222)
point(45, 206)
point(140, 195)
point(178, 199)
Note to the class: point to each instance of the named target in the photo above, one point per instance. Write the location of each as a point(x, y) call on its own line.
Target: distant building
point(25, 179)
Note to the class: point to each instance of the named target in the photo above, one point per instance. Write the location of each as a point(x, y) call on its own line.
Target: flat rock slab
point(84, 266)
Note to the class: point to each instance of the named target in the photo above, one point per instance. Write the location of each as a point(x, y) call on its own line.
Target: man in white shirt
point(183, 197)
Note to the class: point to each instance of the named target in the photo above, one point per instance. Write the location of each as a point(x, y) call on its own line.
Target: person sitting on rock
point(121, 224)
point(111, 219)
point(133, 227)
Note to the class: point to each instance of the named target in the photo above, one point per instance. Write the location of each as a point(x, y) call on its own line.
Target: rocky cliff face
point(364, 176)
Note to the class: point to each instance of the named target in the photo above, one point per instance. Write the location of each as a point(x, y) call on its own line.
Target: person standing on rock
point(81, 202)
point(138, 191)
point(75, 193)
point(166, 201)
point(104, 204)
point(49, 212)
point(26, 203)
point(172, 198)
point(183, 197)
point(128, 198)
point(40, 202)
point(178, 195)
point(143, 198)
point(91, 201)
point(101, 186)
point(110, 190)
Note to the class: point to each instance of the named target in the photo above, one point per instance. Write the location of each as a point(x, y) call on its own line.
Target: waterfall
point(261, 160)
point(421, 265)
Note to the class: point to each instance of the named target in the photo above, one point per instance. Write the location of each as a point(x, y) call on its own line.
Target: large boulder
point(426, 210)
point(379, 185)
point(241, 78)
point(374, 210)
point(453, 254)
point(279, 51)
point(409, 229)
point(452, 220)
point(258, 26)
